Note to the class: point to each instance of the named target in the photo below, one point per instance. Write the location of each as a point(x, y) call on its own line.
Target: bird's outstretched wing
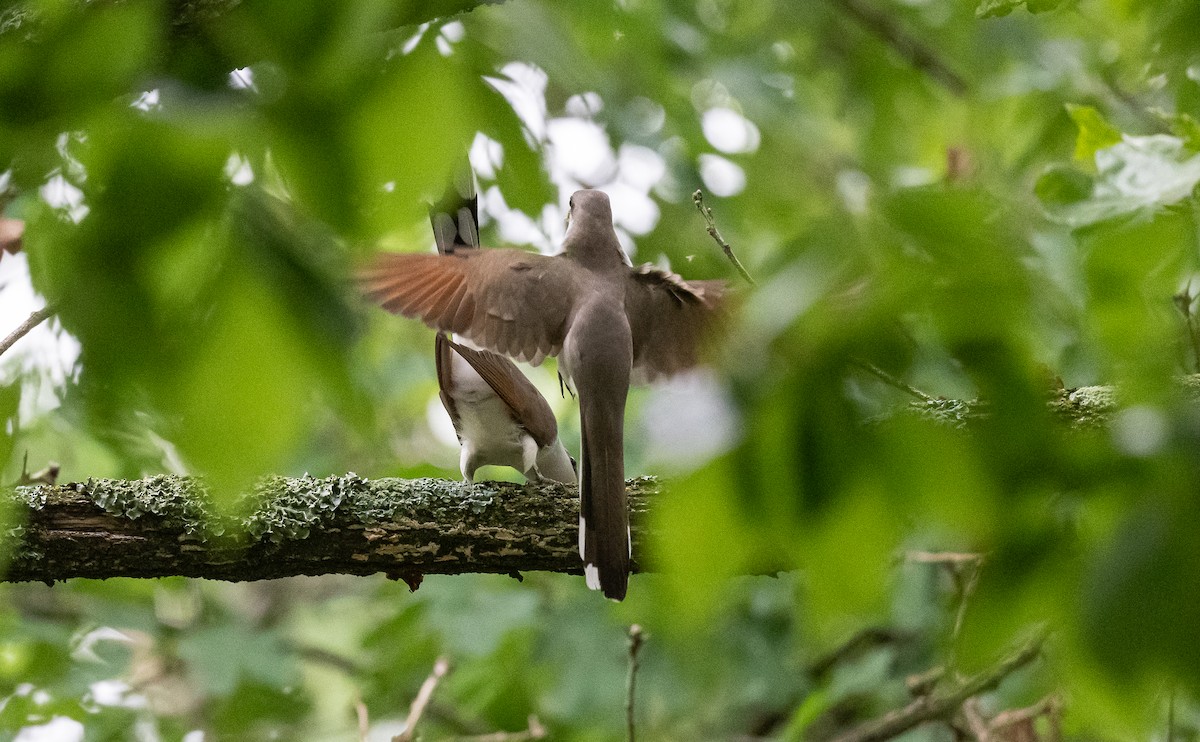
point(508, 301)
point(670, 319)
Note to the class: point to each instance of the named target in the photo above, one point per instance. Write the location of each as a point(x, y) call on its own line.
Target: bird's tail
point(603, 512)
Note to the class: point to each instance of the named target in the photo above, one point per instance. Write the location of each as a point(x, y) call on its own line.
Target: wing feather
point(507, 301)
point(671, 319)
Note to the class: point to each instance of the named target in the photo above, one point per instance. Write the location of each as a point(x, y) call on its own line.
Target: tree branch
point(440, 668)
point(940, 704)
point(34, 319)
point(168, 525)
point(914, 50)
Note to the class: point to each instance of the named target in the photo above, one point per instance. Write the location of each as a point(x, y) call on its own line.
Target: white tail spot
point(592, 576)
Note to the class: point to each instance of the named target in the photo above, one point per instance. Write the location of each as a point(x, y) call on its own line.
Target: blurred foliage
point(980, 199)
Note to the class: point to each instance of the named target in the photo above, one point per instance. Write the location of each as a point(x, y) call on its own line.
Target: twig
point(975, 720)
point(915, 51)
point(23, 329)
point(966, 588)
point(938, 705)
point(887, 378)
point(440, 668)
point(711, 222)
point(964, 568)
point(872, 636)
point(46, 475)
point(923, 683)
point(943, 557)
point(1048, 706)
point(364, 720)
point(1183, 300)
point(325, 657)
point(636, 638)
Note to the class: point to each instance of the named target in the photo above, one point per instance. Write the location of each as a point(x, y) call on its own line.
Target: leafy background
point(992, 201)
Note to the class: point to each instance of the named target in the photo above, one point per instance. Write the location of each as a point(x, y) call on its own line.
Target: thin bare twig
point(364, 720)
point(915, 51)
point(711, 222)
point(940, 704)
point(966, 588)
point(943, 557)
point(887, 378)
point(964, 569)
point(46, 475)
point(1048, 706)
point(440, 668)
point(975, 721)
point(23, 329)
point(1183, 300)
point(923, 683)
point(636, 638)
point(861, 641)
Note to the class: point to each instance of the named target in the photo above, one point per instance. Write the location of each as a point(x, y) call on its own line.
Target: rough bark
point(168, 525)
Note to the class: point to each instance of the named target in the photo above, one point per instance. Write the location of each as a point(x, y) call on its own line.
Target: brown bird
point(608, 323)
point(499, 415)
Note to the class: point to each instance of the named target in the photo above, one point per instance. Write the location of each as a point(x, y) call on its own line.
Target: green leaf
point(996, 8)
point(1133, 616)
point(1182, 125)
point(999, 8)
point(10, 401)
point(1043, 6)
point(1134, 175)
point(223, 656)
point(1061, 184)
point(78, 59)
point(1095, 133)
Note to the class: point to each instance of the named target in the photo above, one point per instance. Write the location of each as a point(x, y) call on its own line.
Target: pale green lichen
point(954, 412)
point(1087, 406)
point(180, 501)
point(33, 498)
point(384, 499)
point(288, 509)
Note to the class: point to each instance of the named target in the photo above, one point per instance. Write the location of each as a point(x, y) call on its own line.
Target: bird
point(609, 324)
point(499, 416)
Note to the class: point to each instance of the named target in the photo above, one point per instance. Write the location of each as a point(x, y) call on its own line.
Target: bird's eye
point(571, 203)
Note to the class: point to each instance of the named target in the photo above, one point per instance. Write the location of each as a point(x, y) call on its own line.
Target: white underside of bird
point(489, 436)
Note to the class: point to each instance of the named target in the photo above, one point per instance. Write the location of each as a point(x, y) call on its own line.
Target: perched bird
point(499, 415)
point(609, 324)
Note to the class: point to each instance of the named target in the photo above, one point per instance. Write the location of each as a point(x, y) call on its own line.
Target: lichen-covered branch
point(167, 525)
point(1083, 408)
